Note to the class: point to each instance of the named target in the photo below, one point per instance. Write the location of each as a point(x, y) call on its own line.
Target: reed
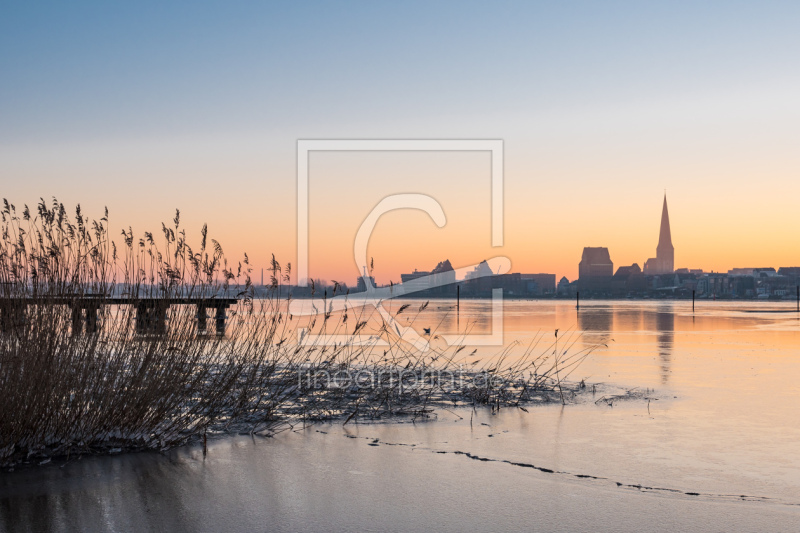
point(63, 392)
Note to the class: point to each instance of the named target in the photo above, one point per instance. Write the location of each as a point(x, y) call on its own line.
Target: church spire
point(665, 237)
point(664, 261)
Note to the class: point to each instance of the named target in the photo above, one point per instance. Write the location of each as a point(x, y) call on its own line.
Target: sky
point(147, 107)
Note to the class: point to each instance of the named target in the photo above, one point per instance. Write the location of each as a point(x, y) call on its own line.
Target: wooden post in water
point(458, 299)
point(160, 317)
point(77, 319)
point(798, 298)
point(151, 317)
point(142, 317)
point(219, 319)
point(692, 300)
point(202, 317)
point(578, 300)
point(91, 318)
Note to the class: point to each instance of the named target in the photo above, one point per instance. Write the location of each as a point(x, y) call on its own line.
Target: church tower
point(664, 261)
point(665, 252)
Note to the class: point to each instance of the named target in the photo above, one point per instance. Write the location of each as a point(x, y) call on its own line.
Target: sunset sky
point(145, 107)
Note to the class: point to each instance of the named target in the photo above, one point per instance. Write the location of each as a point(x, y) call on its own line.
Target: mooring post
point(693, 300)
point(578, 300)
point(458, 298)
point(798, 298)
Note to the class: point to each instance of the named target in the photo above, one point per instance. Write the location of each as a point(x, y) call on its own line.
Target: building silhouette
point(437, 282)
point(482, 270)
point(595, 262)
point(361, 283)
point(539, 284)
point(628, 280)
point(664, 261)
point(443, 276)
point(564, 287)
point(595, 270)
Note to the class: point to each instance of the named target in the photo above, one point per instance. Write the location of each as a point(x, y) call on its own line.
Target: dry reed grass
point(64, 393)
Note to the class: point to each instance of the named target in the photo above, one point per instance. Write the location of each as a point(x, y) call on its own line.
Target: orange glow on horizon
point(721, 218)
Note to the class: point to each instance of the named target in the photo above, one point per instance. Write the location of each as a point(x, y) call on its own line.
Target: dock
point(151, 312)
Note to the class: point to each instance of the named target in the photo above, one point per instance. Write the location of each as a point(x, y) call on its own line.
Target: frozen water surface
point(716, 448)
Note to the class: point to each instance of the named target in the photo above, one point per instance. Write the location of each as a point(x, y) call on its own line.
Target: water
point(714, 449)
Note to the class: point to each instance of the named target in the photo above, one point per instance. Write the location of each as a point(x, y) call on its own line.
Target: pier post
point(798, 298)
point(12, 316)
point(202, 317)
point(458, 298)
point(219, 318)
point(77, 319)
point(91, 319)
point(160, 317)
point(142, 317)
point(151, 317)
point(578, 300)
point(693, 300)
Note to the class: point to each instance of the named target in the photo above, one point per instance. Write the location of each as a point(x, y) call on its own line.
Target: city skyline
point(663, 263)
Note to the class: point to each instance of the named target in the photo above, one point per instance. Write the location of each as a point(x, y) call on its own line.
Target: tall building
point(595, 270)
point(664, 261)
point(595, 262)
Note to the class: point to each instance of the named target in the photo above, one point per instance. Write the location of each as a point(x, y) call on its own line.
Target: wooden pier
point(151, 313)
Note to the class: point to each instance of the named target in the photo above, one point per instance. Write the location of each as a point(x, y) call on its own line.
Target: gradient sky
point(146, 107)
